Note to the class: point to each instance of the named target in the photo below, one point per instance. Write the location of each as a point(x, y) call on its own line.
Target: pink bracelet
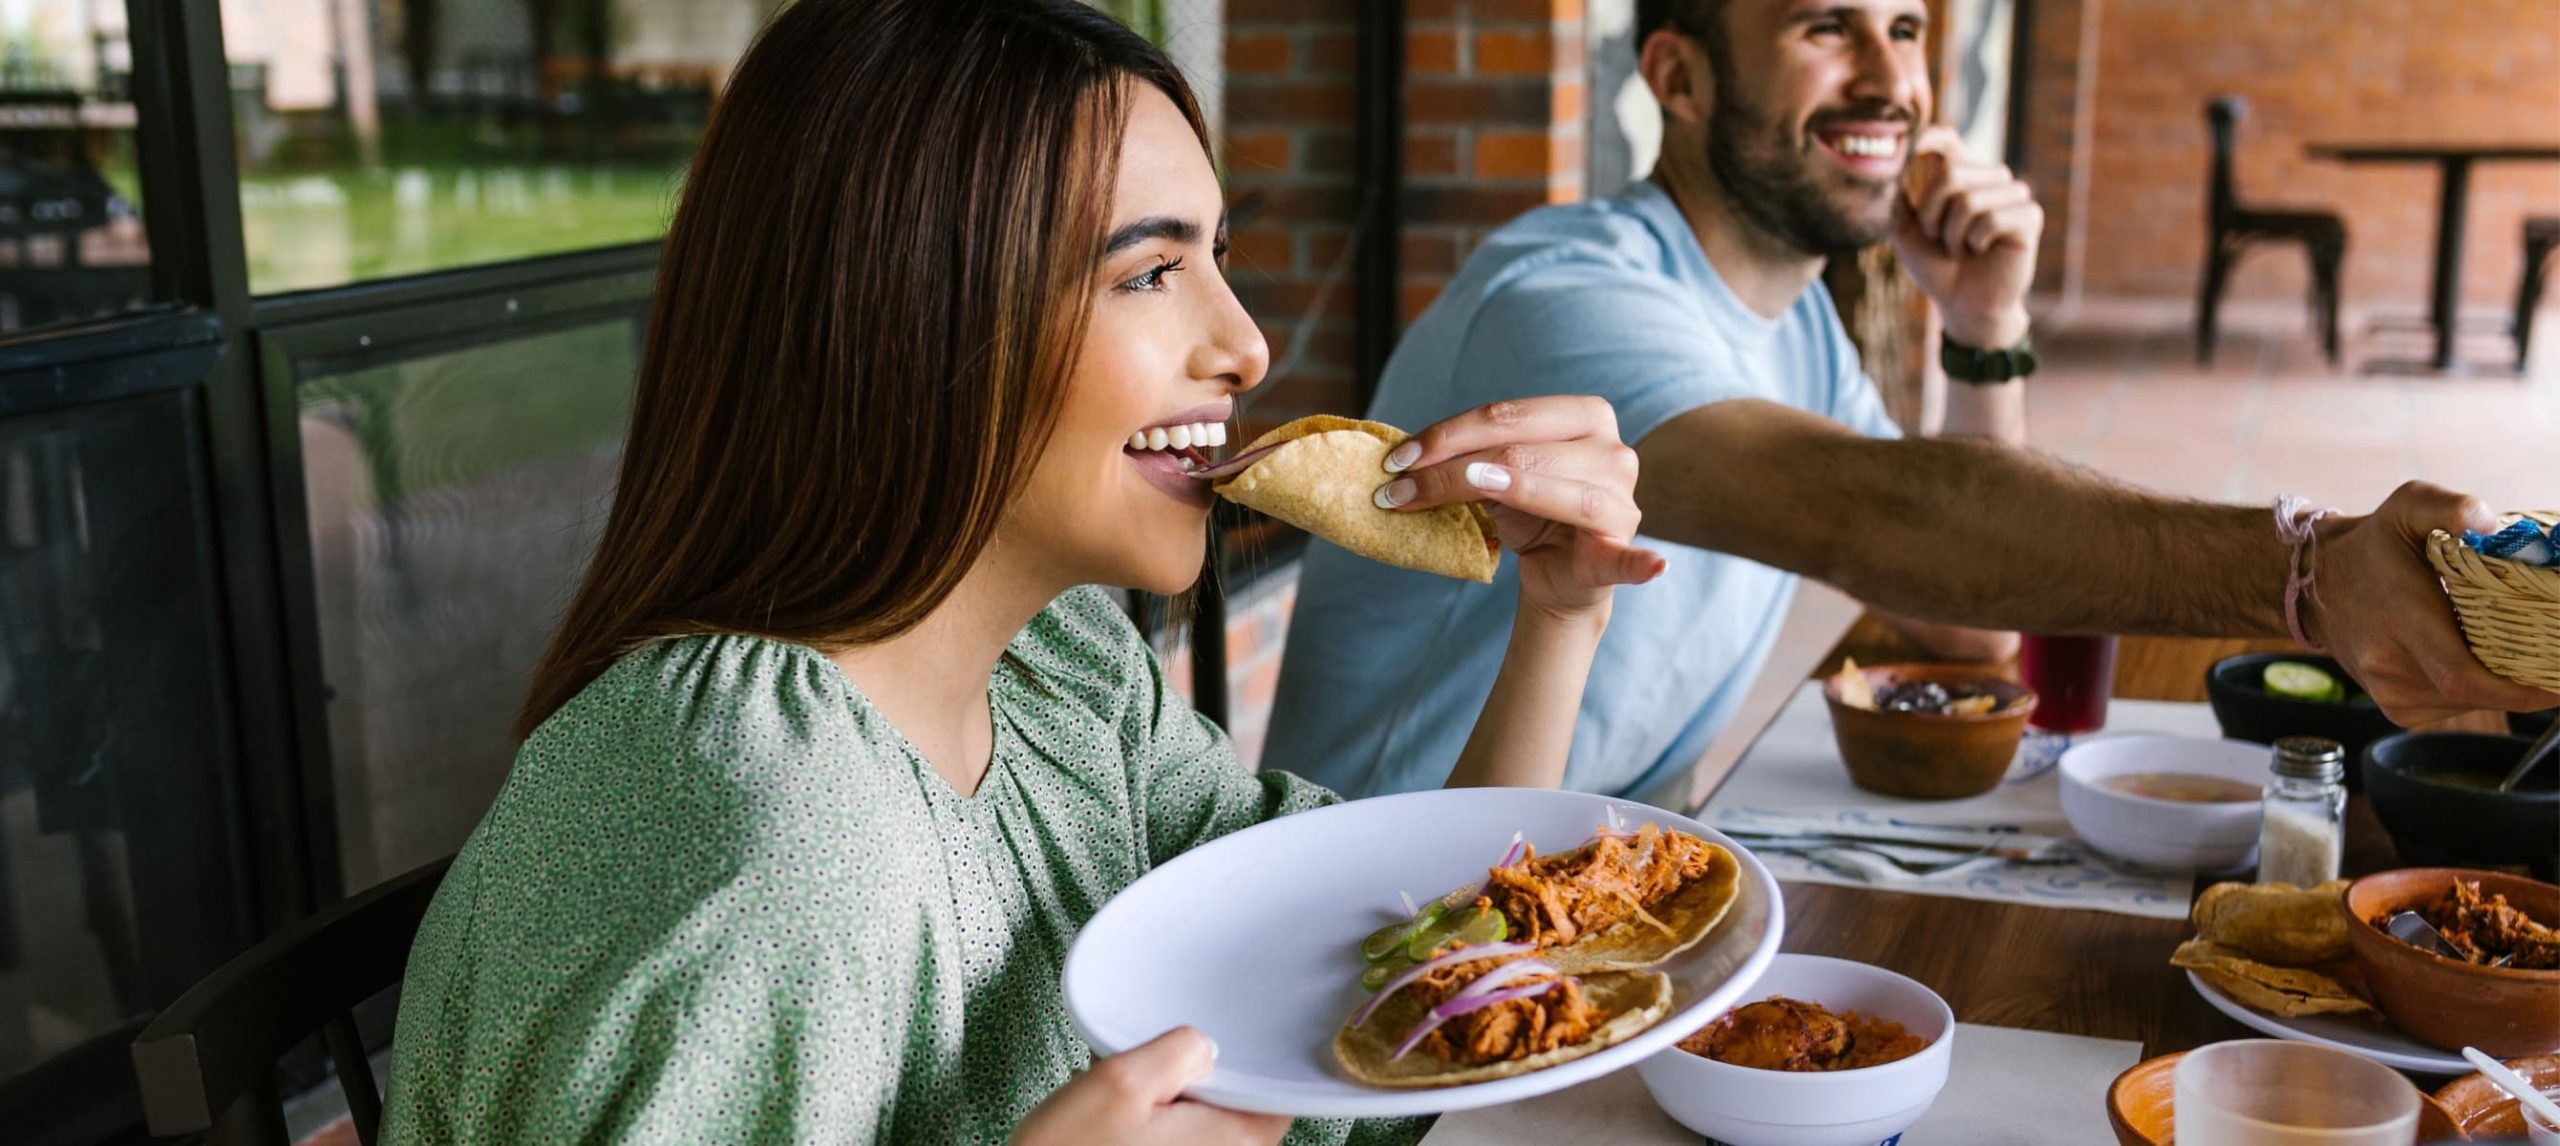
point(2294, 519)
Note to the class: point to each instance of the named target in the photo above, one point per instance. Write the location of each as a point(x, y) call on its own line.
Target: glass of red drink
point(2072, 677)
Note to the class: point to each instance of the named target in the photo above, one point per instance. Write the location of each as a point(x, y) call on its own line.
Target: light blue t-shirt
point(1386, 669)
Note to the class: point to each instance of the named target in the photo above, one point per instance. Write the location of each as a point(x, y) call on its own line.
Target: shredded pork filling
point(1512, 1029)
point(1559, 898)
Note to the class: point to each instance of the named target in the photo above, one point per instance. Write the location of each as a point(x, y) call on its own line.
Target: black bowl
point(2436, 793)
point(2531, 723)
point(2247, 711)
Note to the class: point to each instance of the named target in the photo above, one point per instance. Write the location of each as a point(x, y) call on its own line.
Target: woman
point(831, 755)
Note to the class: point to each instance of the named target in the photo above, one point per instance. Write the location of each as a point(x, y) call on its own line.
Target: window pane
point(454, 499)
point(390, 137)
point(71, 237)
point(115, 880)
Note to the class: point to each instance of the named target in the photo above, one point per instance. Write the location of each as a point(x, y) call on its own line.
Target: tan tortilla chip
point(1321, 479)
point(1633, 1000)
point(1690, 913)
point(2276, 923)
point(2289, 992)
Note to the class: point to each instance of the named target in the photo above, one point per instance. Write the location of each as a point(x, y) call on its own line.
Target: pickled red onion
point(1418, 970)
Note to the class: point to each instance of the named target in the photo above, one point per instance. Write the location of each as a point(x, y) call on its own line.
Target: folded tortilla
point(1320, 474)
point(1690, 913)
point(1633, 1001)
point(2289, 992)
point(2276, 922)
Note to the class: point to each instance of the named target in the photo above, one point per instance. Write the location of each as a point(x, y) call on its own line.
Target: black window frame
point(243, 358)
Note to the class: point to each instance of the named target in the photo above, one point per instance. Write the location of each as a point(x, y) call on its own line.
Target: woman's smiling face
point(1166, 350)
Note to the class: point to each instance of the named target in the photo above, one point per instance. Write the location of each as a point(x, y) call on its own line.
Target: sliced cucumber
point(1390, 939)
point(2303, 682)
point(1375, 978)
point(1474, 927)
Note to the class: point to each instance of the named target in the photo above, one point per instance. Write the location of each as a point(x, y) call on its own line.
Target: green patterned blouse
point(721, 900)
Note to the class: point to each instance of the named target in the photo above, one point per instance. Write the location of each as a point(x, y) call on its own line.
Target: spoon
point(2532, 756)
point(2412, 928)
point(2513, 1083)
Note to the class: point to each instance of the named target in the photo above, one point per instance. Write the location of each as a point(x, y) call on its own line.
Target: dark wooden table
point(2076, 972)
point(2454, 162)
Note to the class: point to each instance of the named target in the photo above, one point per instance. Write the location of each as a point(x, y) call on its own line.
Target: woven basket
point(2510, 611)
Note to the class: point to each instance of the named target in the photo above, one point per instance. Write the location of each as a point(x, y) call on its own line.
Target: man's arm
point(1995, 413)
point(1973, 533)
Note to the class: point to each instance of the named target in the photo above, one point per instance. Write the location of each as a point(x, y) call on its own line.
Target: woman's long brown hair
point(870, 298)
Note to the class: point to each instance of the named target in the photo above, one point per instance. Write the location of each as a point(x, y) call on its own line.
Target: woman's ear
point(1677, 70)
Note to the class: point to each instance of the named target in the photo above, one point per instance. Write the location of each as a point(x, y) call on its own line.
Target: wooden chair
point(2233, 228)
point(207, 1063)
point(2541, 238)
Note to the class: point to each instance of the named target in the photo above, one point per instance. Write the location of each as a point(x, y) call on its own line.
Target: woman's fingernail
point(1404, 456)
point(1486, 475)
point(1394, 493)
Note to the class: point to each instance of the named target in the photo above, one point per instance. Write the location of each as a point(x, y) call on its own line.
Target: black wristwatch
point(1986, 367)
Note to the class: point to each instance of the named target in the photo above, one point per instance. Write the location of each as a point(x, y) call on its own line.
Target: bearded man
point(1686, 302)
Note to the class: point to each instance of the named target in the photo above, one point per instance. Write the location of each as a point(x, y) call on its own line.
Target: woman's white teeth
point(1181, 437)
point(1868, 146)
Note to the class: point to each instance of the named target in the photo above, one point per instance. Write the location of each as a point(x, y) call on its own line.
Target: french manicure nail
point(1394, 493)
point(1486, 475)
point(1404, 456)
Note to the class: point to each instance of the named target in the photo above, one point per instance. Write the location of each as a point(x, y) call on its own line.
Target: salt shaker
point(2303, 831)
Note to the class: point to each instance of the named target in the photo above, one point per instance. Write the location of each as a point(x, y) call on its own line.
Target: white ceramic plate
point(1254, 939)
point(2355, 1036)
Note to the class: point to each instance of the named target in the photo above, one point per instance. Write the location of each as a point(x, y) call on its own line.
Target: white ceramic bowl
point(2163, 833)
point(1745, 1106)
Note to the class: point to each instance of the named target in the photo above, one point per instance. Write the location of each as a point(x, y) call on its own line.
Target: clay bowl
point(1925, 757)
point(2445, 1002)
point(2141, 1107)
point(2481, 1110)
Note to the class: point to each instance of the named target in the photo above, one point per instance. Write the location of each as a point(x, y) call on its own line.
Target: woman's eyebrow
point(1152, 227)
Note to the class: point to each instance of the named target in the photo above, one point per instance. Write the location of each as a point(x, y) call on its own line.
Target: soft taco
point(1476, 1014)
point(1622, 900)
point(1319, 473)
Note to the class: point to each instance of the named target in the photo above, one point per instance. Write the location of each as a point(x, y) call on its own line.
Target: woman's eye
point(1153, 279)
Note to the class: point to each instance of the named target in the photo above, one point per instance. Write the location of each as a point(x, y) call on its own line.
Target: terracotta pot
point(1927, 757)
point(2445, 1002)
point(2142, 1108)
point(2480, 1110)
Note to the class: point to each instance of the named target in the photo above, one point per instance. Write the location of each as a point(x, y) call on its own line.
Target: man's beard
point(1780, 190)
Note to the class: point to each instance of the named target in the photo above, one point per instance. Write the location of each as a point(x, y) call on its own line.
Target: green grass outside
point(328, 228)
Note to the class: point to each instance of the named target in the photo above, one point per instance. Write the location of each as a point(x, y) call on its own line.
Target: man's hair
point(1700, 18)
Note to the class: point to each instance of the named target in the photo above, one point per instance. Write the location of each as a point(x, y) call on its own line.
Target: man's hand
point(2379, 607)
point(1967, 233)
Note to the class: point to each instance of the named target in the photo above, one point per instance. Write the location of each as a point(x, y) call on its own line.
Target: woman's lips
point(1163, 470)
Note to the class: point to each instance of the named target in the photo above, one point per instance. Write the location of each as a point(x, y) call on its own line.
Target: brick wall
point(2324, 70)
point(1291, 105)
point(1494, 100)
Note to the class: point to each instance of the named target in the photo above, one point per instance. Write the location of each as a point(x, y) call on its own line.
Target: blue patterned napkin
point(2525, 543)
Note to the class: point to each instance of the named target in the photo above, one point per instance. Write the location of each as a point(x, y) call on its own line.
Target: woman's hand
point(1136, 1097)
point(1561, 486)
